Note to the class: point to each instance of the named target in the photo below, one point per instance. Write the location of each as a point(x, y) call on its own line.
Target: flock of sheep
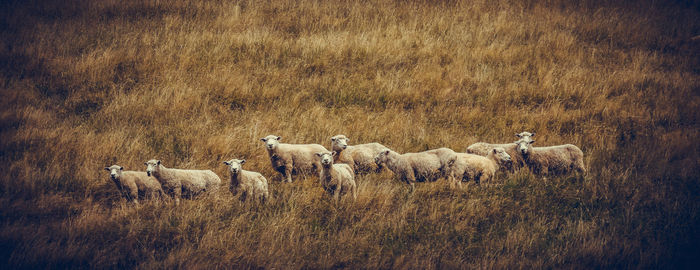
point(337, 168)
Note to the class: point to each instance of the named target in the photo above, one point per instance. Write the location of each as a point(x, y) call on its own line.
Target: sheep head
point(115, 171)
point(152, 166)
point(271, 142)
point(339, 142)
point(326, 158)
point(235, 165)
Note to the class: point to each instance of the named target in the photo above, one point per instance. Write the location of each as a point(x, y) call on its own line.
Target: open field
point(88, 84)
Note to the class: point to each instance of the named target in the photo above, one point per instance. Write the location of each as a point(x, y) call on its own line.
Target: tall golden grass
point(87, 84)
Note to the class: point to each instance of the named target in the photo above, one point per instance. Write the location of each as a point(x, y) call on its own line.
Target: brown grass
point(86, 84)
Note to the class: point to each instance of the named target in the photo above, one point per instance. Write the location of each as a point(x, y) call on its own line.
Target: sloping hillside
point(88, 84)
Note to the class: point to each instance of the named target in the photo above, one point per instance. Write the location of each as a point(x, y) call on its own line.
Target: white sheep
point(554, 160)
point(183, 183)
point(336, 179)
point(479, 168)
point(134, 185)
point(446, 156)
point(411, 167)
point(483, 149)
point(290, 159)
point(246, 182)
point(360, 157)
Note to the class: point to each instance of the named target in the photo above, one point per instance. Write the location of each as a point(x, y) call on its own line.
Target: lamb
point(411, 167)
point(360, 157)
point(554, 160)
point(134, 185)
point(183, 183)
point(246, 182)
point(479, 168)
point(292, 158)
point(336, 179)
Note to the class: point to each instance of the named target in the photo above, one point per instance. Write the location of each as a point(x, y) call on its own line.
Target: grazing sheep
point(411, 167)
point(246, 182)
point(134, 185)
point(336, 179)
point(554, 160)
point(479, 168)
point(292, 158)
point(446, 156)
point(483, 149)
point(360, 157)
point(182, 183)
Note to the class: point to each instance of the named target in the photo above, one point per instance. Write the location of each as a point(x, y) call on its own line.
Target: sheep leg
point(459, 181)
point(336, 193)
point(126, 195)
point(288, 173)
point(177, 193)
point(411, 180)
point(453, 180)
point(133, 192)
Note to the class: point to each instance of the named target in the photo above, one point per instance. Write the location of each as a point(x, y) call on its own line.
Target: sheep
point(292, 158)
point(360, 157)
point(483, 149)
point(246, 182)
point(134, 185)
point(183, 183)
point(478, 168)
point(411, 167)
point(554, 160)
point(447, 157)
point(336, 179)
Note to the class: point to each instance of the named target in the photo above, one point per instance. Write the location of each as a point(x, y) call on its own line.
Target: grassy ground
point(88, 84)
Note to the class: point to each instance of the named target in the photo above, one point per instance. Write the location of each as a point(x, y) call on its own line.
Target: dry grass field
point(88, 84)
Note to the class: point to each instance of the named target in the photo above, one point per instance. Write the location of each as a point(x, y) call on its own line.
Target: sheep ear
point(517, 135)
point(242, 161)
point(263, 139)
point(533, 135)
point(332, 139)
point(121, 168)
point(158, 162)
point(318, 154)
point(107, 169)
point(145, 163)
point(386, 152)
point(495, 151)
point(279, 138)
point(532, 141)
point(347, 139)
point(227, 163)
